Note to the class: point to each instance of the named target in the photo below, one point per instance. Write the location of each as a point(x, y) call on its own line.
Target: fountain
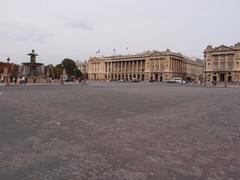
point(32, 70)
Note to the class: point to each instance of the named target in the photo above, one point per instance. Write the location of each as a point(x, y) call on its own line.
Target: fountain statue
point(32, 68)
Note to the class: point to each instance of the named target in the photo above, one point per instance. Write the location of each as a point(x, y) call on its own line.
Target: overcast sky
point(78, 28)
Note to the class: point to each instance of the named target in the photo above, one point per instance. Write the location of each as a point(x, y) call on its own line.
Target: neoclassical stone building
point(193, 69)
point(153, 65)
point(222, 64)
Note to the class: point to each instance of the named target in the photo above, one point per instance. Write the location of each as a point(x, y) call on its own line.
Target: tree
point(70, 66)
point(78, 74)
point(58, 70)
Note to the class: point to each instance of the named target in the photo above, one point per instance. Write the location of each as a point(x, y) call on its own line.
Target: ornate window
point(230, 57)
point(222, 58)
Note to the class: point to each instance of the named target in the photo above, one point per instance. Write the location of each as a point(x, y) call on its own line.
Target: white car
point(177, 80)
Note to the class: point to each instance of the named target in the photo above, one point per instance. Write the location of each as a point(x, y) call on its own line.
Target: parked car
point(135, 80)
point(151, 81)
point(122, 80)
point(176, 80)
point(171, 81)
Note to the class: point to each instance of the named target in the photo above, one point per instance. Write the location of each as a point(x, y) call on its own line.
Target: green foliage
point(78, 74)
point(70, 66)
point(58, 70)
point(58, 67)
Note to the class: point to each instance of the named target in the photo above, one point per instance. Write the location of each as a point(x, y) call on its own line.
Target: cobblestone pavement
point(114, 131)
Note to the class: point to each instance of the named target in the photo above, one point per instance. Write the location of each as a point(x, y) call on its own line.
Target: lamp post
point(7, 69)
point(225, 79)
point(205, 78)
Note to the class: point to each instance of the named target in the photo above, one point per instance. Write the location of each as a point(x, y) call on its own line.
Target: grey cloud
point(23, 33)
point(74, 23)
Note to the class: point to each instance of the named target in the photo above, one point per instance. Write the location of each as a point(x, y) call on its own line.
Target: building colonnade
point(124, 70)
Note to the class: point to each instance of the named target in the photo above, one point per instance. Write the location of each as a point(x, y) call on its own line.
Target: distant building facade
point(222, 64)
point(82, 66)
point(194, 69)
point(151, 65)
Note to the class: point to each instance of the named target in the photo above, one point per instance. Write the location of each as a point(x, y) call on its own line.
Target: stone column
point(130, 66)
point(112, 67)
point(119, 67)
point(129, 69)
point(97, 67)
point(170, 64)
point(137, 67)
point(122, 67)
point(125, 67)
point(177, 66)
point(174, 64)
point(226, 65)
point(159, 66)
point(219, 62)
point(154, 64)
point(134, 68)
point(113, 64)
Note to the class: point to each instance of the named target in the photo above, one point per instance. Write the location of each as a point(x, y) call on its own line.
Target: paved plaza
point(119, 131)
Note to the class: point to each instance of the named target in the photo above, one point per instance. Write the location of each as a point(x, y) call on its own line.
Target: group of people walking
point(13, 79)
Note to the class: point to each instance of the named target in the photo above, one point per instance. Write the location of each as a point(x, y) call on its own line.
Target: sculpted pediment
point(94, 59)
point(222, 48)
point(154, 54)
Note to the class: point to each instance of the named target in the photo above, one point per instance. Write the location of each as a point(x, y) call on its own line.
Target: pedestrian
point(15, 80)
point(23, 80)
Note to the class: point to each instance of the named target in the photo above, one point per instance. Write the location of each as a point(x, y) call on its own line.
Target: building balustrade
point(222, 68)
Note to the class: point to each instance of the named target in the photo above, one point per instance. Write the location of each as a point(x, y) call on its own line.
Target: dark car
point(152, 81)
